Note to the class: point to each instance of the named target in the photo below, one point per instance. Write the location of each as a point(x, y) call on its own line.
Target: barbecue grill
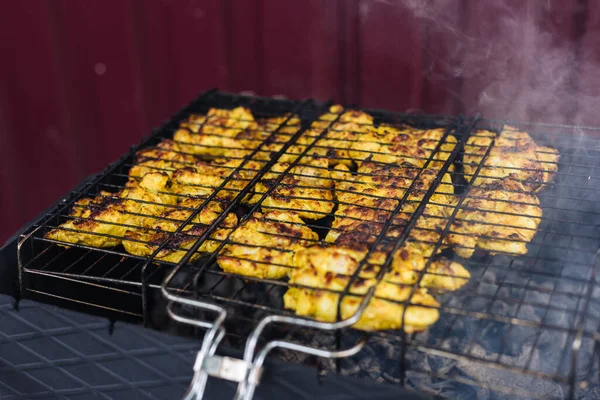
point(524, 326)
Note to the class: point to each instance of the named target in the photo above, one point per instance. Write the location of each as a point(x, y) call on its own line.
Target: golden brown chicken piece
point(201, 179)
point(369, 196)
point(427, 234)
point(166, 156)
point(497, 217)
point(193, 123)
point(439, 158)
point(144, 242)
point(305, 190)
point(389, 144)
point(328, 270)
point(264, 245)
point(274, 143)
point(367, 199)
point(512, 152)
point(341, 134)
point(217, 134)
point(410, 260)
point(106, 218)
point(80, 206)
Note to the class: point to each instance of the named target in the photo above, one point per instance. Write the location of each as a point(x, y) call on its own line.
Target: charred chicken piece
point(102, 221)
point(166, 156)
point(512, 153)
point(264, 245)
point(305, 190)
point(323, 273)
point(498, 217)
point(144, 242)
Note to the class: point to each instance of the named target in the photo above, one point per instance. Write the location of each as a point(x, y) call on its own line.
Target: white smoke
point(511, 63)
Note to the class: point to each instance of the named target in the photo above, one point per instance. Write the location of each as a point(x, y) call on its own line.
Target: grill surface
point(523, 326)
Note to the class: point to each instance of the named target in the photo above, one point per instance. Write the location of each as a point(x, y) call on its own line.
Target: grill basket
point(524, 326)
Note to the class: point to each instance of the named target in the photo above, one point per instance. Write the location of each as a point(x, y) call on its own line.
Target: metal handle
point(209, 347)
point(246, 388)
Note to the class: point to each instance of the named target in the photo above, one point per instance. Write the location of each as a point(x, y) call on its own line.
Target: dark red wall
point(83, 80)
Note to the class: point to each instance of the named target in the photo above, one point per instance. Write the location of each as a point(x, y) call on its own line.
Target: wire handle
point(227, 368)
point(246, 388)
point(198, 384)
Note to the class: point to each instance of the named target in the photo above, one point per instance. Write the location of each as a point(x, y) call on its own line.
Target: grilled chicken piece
point(166, 156)
point(324, 272)
point(497, 217)
point(439, 158)
point(429, 228)
point(216, 134)
point(342, 133)
point(352, 136)
point(389, 144)
point(368, 199)
point(282, 130)
point(283, 135)
point(410, 260)
point(305, 190)
point(512, 153)
point(193, 123)
point(144, 242)
point(201, 179)
point(265, 244)
point(102, 222)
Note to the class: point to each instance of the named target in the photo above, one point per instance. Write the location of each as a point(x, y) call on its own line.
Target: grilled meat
point(166, 156)
point(235, 134)
point(144, 242)
point(342, 133)
point(216, 135)
point(324, 272)
point(512, 153)
point(193, 123)
point(368, 198)
point(410, 260)
point(498, 214)
point(202, 178)
point(305, 190)
point(389, 144)
point(498, 217)
point(102, 222)
point(264, 245)
point(275, 143)
point(352, 137)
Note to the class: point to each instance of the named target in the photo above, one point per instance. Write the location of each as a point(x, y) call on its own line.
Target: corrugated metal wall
point(83, 80)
